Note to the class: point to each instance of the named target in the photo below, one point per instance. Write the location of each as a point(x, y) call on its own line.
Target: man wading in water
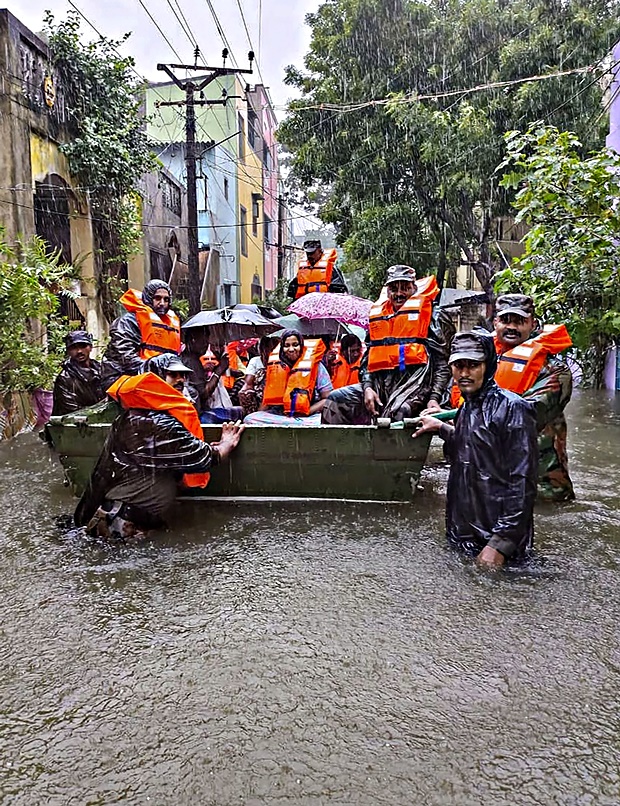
point(493, 459)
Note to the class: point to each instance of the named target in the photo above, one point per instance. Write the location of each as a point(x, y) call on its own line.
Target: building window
point(255, 213)
point(226, 188)
point(252, 129)
point(267, 227)
point(243, 226)
point(267, 162)
point(256, 289)
point(170, 195)
point(241, 137)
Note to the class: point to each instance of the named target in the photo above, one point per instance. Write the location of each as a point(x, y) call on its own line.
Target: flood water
point(311, 654)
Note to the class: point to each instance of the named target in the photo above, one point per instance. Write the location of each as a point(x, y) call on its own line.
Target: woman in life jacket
point(297, 383)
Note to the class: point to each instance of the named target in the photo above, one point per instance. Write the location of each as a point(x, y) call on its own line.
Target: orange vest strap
point(518, 369)
point(159, 334)
point(293, 387)
point(397, 337)
point(316, 277)
point(149, 391)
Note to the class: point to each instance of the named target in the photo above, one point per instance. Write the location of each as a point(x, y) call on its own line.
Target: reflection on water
point(311, 654)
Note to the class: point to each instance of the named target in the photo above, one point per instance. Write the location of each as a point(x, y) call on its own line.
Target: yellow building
point(250, 200)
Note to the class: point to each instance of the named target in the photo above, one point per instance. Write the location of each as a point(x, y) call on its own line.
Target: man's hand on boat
point(231, 434)
point(372, 402)
point(427, 425)
point(432, 407)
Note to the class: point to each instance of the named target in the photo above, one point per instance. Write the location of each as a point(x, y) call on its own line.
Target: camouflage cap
point(312, 244)
point(519, 304)
point(466, 347)
point(396, 273)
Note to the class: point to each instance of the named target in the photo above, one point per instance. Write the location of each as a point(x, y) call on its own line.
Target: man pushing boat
point(155, 443)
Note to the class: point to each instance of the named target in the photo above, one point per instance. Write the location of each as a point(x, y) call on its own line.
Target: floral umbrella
point(343, 307)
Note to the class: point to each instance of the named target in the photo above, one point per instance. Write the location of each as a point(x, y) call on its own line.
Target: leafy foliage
point(572, 249)
point(29, 283)
point(412, 137)
point(108, 151)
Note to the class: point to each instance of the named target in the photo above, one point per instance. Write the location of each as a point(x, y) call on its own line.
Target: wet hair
point(348, 341)
point(286, 335)
point(265, 347)
point(151, 288)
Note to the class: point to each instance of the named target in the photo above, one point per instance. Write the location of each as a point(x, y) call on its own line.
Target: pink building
point(261, 114)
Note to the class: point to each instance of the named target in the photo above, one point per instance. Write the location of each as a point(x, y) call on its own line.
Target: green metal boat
point(359, 463)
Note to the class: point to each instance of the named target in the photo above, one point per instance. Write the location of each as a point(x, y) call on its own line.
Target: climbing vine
point(108, 150)
point(30, 279)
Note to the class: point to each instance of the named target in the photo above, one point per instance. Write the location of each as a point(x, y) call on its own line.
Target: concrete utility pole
point(189, 87)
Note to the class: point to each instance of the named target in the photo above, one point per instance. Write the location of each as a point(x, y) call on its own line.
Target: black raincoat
point(76, 387)
point(122, 355)
point(143, 459)
point(493, 456)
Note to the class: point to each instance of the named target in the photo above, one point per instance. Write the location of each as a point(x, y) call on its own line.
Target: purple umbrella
point(343, 307)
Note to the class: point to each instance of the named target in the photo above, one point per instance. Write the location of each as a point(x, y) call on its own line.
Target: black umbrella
point(231, 324)
point(311, 327)
point(264, 310)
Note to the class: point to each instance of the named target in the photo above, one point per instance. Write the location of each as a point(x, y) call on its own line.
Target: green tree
point(108, 150)
point(387, 118)
point(572, 249)
point(30, 280)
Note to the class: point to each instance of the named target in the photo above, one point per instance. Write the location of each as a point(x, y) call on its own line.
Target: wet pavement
point(311, 654)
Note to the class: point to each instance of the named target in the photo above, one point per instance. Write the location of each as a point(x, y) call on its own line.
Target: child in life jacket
point(219, 407)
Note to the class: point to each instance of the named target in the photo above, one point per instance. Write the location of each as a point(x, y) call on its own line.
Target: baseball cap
point(396, 273)
point(176, 365)
point(311, 245)
point(519, 304)
point(78, 337)
point(466, 347)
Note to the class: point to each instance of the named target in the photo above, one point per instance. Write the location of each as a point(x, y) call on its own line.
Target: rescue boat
point(351, 462)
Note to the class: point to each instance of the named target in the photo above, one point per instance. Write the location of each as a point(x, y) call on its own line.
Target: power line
point(156, 24)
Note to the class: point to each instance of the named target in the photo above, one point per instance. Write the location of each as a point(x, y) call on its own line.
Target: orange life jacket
point(344, 374)
point(159, 334)
point(293, 387)
point(518, 369)
point(317, 277)
point(149, 391)
point(235, 363)
point(396, 336)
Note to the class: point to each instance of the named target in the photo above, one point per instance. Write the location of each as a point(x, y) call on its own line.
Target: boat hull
point(326, 462)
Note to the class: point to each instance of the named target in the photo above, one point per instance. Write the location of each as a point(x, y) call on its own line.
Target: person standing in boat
point(529, 365)
point(149, 328)
point(297, 383)
point(79, 382)
point(317, 272)
point(154, 444)
point(404, 370)
point(493, 455)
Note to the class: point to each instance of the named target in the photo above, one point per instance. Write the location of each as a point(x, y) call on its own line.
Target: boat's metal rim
point(260, 499)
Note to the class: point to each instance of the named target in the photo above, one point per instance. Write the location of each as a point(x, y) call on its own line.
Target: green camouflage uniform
point(550, 394)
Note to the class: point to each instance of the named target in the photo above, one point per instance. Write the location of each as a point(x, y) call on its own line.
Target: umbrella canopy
point(264, 310)
point(231, 324)
point(343, 307)
point(311, 327)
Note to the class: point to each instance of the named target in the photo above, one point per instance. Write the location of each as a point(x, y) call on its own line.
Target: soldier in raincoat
point(493, 455)
point(149, 328)
point(530, 365)
point(79, 382)
point(154, 444)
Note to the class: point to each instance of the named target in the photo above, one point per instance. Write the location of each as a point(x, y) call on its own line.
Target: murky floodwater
point(311, 654)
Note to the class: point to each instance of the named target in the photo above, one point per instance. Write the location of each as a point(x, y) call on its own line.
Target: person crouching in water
point(297, 383)
point(493, 455)
point(155, 443)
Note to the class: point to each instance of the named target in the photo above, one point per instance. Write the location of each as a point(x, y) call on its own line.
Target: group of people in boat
point(510, 388)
